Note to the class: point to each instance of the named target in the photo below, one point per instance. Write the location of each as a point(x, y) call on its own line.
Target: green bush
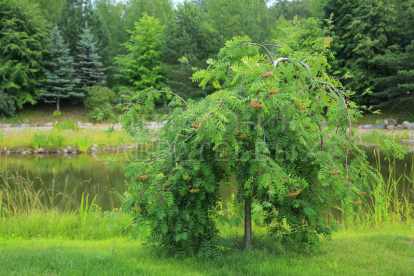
point(98, 98)
point(7, 104)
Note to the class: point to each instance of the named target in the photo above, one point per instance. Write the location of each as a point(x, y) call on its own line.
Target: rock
point(16, 125)
point(8, 152)
point(70, 149)
point(49, 124)
point(369, 126)
point(7, 125)
point(386, 122)
point(406, 123)
point(390, 127)
point(393, 122)
point(25, 125)
point(40, 150)
point(410, 126)
point(40, 125)
point(360, 126)
point(58, 152)
point(95, 145)
point(380, 126)
point(401, 127)
point(65, 150)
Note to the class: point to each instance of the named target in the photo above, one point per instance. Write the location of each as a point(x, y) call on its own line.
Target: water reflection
point(76, 174)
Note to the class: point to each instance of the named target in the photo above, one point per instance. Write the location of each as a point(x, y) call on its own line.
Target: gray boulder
point(369, 126)
point(25, 125)
point(16, 125)
point(392, 122)
point(386, 122)
point(406, 123)
point(70, 149)
point(380, 126)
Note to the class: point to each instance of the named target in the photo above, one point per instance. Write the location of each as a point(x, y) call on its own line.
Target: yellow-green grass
point(82, 139)
point(387, 251)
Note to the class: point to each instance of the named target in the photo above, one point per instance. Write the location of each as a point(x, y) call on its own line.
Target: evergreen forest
point(54, 50)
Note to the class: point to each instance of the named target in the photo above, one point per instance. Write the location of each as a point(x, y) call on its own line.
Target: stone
point(95, 145)
point(49, 124)
point(65, 150)
point(25, 125)
point(410, 126)
point(392, 122)
point(40, 150)
point(380, 126)
point(70, 149)
point(400, 127)
point(40, 125)
point(386, 122)
point(7, 125)
point(369, 126)
point(406, 123)
point(79, 124)
point(360, 126)
point(16, 125)
point(8, 152)
point(390, 127)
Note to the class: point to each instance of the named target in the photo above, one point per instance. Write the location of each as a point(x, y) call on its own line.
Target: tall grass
point(32, 211)
point(83, 140)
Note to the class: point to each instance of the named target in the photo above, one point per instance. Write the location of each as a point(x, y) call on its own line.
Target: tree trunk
point(58, 104)
point(247, 224)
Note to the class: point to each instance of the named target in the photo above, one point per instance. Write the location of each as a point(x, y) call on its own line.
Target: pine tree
point(188, 36)
point(89, 68)
point(23, 34)
point(141, 68)
point(60, 72)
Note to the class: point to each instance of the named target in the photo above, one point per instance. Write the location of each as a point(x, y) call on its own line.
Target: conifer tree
point(23, 34)
point(141, 68)
point(89, 68)
point(59, 72)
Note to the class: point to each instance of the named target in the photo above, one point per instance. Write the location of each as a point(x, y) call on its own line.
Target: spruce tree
point(23, 34)
point(60, 72)
point(89, 68)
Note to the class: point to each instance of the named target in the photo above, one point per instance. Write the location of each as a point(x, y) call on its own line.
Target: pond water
point(77, 174)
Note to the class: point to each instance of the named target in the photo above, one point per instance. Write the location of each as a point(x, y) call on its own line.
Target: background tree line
point(138, 44)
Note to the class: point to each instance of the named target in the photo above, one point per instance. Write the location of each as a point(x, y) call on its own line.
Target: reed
point(32, 210)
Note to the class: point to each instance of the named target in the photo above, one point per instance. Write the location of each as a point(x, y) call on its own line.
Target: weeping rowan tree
point(277, 122)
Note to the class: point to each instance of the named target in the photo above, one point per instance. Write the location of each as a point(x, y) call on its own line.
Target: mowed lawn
point(370, 252)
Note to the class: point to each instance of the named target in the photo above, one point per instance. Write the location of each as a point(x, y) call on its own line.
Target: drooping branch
point(264, 47)
point(168, 92)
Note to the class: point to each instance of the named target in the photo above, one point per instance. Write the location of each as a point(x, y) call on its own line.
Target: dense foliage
point(370, 51)
point(23, 38)
point(7, 105)
point(141, 67)
point(277, 122)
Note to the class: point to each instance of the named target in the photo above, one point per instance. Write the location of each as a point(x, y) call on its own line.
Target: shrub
point(97, 98)
point(7, 104)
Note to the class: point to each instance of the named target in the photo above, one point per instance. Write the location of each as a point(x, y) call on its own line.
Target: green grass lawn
point(385, 251)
